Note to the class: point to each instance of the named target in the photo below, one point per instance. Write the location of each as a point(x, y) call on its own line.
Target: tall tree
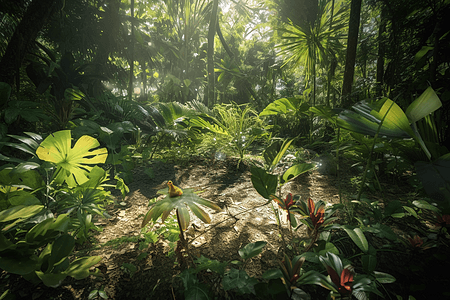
point(131, 54)
point(210, 58)
point(350, 58)
point(381, 52)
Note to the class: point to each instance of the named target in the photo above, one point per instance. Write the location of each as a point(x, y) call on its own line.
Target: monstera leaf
point(72, 163)
point(180, 203)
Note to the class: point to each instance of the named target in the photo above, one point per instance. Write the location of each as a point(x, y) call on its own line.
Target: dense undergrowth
point(53, 190)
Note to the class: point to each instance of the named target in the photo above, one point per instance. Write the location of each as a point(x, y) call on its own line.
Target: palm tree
point(314, 41)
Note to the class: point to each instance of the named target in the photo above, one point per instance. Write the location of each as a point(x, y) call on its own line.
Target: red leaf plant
point(443, 221)
point(418, 243)
point(341, 277)
point(285, 204)
point(317, 218)
point(415, 242)
point(344, 282)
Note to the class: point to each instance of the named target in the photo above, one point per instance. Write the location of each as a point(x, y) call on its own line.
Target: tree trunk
point(210, 59)
point(350, 58)
point(36, 16)
point(381, 52)
point(130, 86)
point(332, 59)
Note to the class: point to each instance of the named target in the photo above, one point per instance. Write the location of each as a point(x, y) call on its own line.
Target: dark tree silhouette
point(350, 58)
point(36, 16)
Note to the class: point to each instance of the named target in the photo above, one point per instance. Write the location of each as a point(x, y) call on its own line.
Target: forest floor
point(133, 272)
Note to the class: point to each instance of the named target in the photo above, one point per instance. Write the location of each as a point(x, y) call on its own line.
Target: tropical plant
point(16, 110)
point(266, 183)
point(239, 126)
point(385, 118)
point(38, 228)
point(287, 204)
point(344, 282)
point(314, 41)
point(189, 199)
point(287, 116)
point(62, 80)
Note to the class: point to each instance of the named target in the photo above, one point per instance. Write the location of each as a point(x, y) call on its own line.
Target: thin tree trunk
point(130, 86)
point(350, 59)
point(331, 69)
point(210, 58)
point(434, 62)
point(381, 53)
point(143, 95)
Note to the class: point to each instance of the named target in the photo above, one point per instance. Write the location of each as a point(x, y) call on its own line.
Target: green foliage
point(357, 237)
point(385, 118)
point(239, 281)
point(239, 126)
point(265, 183)
point(97, 294)
point(189, 198)
point(391, 119)
point(129, 269)
point(251, 250)
point(72, 164)
point(43, 216)
point(287, 116)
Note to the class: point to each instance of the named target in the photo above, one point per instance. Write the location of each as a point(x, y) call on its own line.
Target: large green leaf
point(62, 248)
point(72, 163)
point(383, 277)
point(395, 118)
point(314, 277)
point(20, 212)
point(18, 264)
point(273, 154)
point(79, 268)
point(394, 122)
point(368, 118)
point(325, 112)
point(357, 237)
point(39, 231)
point(280, 106)
point(425, 205)
point(21, 197)
point(239, 280)
point(369, 263)
point(32, 142)
point(188, 199)
point(30, 179)
point(427, 103)
point(295, 171)
point(50, 279)
point(264, 183)
point(252, 249)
